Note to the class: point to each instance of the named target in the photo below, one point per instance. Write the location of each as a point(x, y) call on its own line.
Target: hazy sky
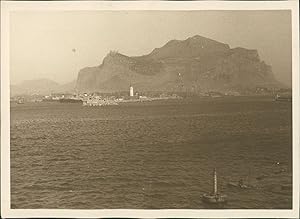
point(41, 42)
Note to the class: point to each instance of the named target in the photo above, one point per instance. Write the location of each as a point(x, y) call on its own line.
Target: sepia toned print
point(151, 109)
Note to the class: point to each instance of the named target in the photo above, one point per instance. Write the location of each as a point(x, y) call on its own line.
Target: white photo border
point(9, 6)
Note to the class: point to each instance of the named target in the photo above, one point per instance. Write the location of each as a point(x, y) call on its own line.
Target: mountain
point(67, 87)
point(196, 64)
point(41, 87)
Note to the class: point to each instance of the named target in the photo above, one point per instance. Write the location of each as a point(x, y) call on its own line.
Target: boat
point(215, 197)
point(283, 97)
point(240, 185)
point(20, 102)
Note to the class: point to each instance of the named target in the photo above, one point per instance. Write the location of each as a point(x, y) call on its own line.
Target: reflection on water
point(151, 155)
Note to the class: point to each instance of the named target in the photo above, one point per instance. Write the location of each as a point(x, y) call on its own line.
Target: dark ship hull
point(214, 199)
point(70, 101)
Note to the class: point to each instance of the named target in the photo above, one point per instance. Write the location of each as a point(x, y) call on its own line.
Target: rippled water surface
point(151, 155)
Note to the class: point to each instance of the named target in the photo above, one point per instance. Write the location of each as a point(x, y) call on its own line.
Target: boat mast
point(215, 190)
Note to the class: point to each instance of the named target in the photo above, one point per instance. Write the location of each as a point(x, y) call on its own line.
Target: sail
point(215, 189)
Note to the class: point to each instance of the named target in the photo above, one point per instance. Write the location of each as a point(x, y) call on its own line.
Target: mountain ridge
point(41, 86)
point(196, 64)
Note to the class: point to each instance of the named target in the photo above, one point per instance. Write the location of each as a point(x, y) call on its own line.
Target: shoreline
point(185, 100)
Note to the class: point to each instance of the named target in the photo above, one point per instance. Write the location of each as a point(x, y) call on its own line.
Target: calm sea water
point(151, 155)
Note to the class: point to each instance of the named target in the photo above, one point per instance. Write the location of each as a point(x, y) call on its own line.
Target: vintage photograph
point(151, 109)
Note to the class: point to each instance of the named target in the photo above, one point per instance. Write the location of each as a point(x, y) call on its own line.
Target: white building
point(131, 91)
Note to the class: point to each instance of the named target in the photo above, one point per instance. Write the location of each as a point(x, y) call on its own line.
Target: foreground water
point(151, 155)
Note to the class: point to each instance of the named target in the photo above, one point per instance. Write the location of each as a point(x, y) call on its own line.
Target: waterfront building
point(131, 91)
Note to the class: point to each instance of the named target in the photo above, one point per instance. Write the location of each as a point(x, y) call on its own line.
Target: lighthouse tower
point(131, 91)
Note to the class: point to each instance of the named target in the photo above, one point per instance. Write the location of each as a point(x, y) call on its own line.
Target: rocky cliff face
point(197, 64)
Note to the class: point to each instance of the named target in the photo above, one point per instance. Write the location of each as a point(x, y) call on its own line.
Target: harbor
point(116, 98)
point(108, 157)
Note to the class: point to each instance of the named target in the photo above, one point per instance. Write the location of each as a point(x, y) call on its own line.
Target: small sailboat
point(240, 185)
point(215, 197)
